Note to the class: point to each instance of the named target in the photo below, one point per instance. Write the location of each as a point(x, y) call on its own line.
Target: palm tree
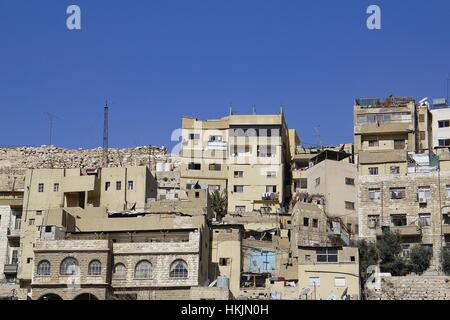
point(219, 203)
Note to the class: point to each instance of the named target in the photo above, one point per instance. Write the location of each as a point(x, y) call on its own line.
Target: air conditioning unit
point(372, 224)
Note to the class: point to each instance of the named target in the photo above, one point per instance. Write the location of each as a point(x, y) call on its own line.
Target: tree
point(368, 256)
point(219, 203)
point(389, 247)
point(420, 259)
point(446, 261)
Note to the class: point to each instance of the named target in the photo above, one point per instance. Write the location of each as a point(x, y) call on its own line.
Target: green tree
point(219, 203)
point(389, 247)
point(446, 261)
point(368, 256)
point(420, 259)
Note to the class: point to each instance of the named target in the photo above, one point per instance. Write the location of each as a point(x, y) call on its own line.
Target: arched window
point(69, 267)
point(43, 268)
point(95, 268)
point(143, 270)
point(179, 269)
point(119, 271)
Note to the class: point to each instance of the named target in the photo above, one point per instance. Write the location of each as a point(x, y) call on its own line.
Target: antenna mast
point(105, 134)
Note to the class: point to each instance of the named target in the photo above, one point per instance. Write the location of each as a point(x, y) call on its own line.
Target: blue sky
point(158, 60)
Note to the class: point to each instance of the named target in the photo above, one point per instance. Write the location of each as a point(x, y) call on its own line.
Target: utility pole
point(105, 134)
point(317, 129)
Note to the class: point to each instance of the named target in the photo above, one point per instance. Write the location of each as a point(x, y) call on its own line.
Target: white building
point(441, 123)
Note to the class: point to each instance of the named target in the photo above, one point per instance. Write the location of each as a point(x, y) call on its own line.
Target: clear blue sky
point(158, 60)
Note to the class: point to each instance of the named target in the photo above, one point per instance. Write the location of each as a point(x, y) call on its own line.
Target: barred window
point(95, 268)
point(179, 269)
point(143, 270)
point(43, 268)
point(69, 267)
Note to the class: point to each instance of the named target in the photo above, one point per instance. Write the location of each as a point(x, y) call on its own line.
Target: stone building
point(160, 253)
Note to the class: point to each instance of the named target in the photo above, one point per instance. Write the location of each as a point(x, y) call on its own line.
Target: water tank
point(223, 282)
point(167, 166)
point(159, 167)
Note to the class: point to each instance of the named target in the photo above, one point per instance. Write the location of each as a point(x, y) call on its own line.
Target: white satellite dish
point(305, 291)
point(423, 100)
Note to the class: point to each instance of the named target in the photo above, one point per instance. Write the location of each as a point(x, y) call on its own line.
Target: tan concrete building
point(113, 189)
point(160, 253)
point(329, 273)
point(246, 155)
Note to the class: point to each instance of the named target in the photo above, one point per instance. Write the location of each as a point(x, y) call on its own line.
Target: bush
point(420, 259)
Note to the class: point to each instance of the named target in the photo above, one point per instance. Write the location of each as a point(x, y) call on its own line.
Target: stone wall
point(15, 161)
point(412, 288)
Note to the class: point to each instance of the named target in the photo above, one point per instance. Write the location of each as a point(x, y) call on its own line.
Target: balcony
point(13, 233)
point(401, 230)
point(10, 269)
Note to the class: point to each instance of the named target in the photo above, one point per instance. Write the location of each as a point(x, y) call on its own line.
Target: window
point(399, 144)
point(56, 187)
point(444, 142)
point(444, 123)
point(373, 171)
point(215, 167)
point(40, 187)
point(264, 151)
point(143, 270)
point(314, 281)
point(317, 182)
point(107, 185)
point(224, 261)
point(39, 212)
point(303, 183)
point(373, 143)
point(349, 205)
point(69, 267)
point(48, 229)
point(271, 189)
point(340, 282)
point(327, 255)
point(118, 185)
point(215, 138)
point(398, 220)
point(239, 174)
point(197, 194)
point(447, 188)
point(178, 269)
point(374, 194)
point(424, 220)
point(397, 193)
point(422, 135)
point(194, 136)
point(130, 185)
point(238, 189)
point(423, 194)
point(95, 268)
point(373, 221)
point(31, 222)
point(271, 174)
point(315, 223)
point(421, 118)
point(395, 170)
point(194, 166)
point(446, 218)
point(306, 222)
point(239, 209)
point(43, 268)
point(350, 181)
point(119, 271)
point(213, 187)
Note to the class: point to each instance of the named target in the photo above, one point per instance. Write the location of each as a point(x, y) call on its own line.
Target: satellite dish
point(305, 291)
point(423, 100)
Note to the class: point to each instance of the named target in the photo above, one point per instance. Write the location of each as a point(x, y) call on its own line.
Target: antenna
point(51, 118)
point(253, 109)
point(448, 82)
point(319, 139)
point(231, 108)
point(105, 134)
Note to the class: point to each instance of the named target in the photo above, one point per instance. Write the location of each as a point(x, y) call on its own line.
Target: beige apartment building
point(403, 185)
point(114, 189)
point(247, 156)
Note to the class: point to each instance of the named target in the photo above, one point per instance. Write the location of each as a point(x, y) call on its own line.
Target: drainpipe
point(126, 187)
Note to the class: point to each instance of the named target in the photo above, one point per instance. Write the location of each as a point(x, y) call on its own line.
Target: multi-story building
point(246, 155)
point(113, 189)
point(160, 253)
point(402, 184)
point(440, 123)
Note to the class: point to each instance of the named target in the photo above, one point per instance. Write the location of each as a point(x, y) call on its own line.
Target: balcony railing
point(13, 232)
point(10, 268)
